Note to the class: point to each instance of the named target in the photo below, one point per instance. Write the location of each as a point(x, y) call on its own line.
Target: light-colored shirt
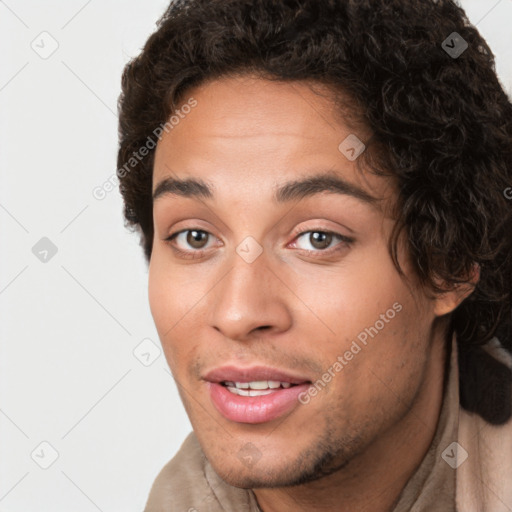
point(467, 468)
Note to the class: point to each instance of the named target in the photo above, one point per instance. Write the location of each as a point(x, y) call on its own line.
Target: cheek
point(353, 295)
point(169, 291)
point(163, 294)
point(174, 295)
point(365, 310)
point(158, 294)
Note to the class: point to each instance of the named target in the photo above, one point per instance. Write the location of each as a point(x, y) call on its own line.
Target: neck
point(375, 479)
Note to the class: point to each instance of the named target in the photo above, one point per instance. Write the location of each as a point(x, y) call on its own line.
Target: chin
point(273, 471)
point(262, 477)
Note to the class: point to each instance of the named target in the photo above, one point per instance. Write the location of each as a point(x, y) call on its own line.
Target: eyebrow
point(301, 188)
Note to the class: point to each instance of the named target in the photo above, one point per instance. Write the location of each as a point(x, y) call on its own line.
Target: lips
point(253, 374)
point(254, 395)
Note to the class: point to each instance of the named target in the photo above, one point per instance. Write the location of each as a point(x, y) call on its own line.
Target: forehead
point(261, 106)
point(250, 131)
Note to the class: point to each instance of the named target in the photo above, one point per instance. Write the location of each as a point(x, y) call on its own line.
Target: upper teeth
point(259, 384)
point(256, 387)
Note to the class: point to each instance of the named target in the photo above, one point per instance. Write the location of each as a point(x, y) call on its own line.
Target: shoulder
point(485, 471)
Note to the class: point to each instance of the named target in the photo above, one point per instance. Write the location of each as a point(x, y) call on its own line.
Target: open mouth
point(254, 394)
point(256, 401)
point(256, 388)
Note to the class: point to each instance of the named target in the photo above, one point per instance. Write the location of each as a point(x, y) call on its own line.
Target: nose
point(249, 299)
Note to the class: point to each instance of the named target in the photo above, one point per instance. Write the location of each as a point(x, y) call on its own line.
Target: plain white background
point(72, 324)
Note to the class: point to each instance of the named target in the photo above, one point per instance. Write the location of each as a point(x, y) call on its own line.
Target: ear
point(445, 303)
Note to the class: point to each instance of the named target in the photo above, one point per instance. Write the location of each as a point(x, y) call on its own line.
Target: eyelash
point(345, 242)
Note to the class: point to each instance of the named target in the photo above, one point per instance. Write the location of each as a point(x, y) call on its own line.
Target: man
point(320, 188)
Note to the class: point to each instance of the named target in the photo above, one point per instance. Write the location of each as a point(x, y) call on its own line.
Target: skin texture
point(355, 444)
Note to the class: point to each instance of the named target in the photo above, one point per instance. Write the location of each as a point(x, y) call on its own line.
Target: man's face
point(262, 295)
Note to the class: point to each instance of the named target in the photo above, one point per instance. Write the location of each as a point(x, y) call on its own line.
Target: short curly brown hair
point(441, 126)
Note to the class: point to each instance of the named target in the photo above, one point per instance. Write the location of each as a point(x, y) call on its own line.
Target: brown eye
point(320, 239)
point(189, 239)
point(196, 238)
